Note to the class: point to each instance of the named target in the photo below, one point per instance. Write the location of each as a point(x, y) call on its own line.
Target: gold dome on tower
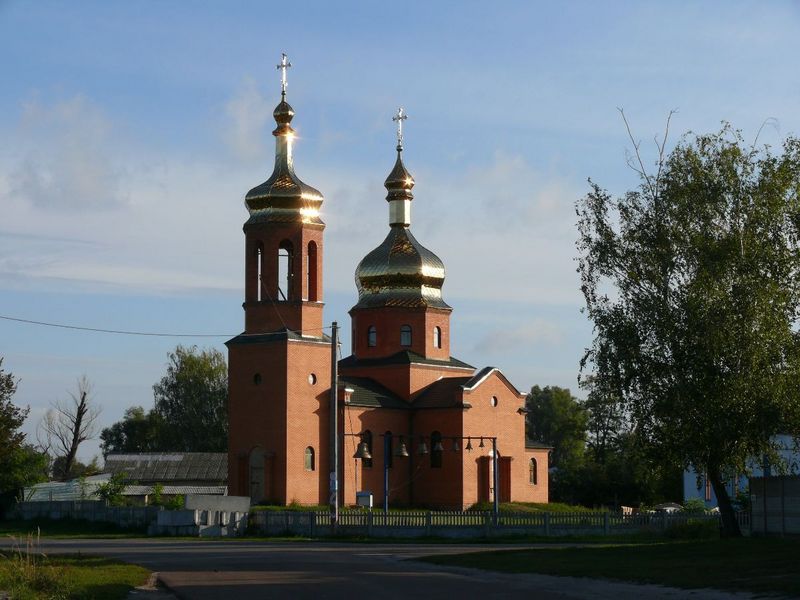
point(401, 271)
point(284, 197)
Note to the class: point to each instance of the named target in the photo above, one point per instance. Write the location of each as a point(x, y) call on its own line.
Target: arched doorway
point(257, 475)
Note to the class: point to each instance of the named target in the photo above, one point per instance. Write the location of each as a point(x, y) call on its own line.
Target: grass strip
point(761, 565)
point(38, 577)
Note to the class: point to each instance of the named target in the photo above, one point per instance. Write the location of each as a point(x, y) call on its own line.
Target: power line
point(140, 333)
point(116, 331)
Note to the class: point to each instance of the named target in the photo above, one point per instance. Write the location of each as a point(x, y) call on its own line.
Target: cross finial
point(399, 118)
point(284, 64)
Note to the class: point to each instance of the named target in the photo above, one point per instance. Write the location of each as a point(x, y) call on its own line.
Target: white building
point(697, 485)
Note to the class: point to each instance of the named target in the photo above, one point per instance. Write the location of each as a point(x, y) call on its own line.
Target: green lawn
point(745, 564)
point(67, 577)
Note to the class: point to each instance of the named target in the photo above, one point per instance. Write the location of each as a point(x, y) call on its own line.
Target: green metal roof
point(404, 357)
point(369, 393)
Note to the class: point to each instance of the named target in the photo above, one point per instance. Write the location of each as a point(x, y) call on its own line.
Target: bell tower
point(278, 368)
point(283, 241)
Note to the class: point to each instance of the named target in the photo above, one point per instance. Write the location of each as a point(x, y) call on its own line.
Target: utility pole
point(496, 482)
point(334, 426)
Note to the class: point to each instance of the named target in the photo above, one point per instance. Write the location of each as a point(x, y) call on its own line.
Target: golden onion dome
point(284, 197)
point(401, 271)
point(399, 182)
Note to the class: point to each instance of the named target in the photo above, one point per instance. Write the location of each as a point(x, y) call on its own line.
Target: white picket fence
point(465, 524)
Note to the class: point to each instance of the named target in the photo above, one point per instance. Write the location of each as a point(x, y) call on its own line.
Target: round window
point(257, 378)
point(312, 379)
point(494, 400)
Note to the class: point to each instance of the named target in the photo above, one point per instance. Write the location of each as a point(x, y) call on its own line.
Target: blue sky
point(131, 132)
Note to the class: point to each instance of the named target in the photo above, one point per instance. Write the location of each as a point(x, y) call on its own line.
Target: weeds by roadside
point(25, 574)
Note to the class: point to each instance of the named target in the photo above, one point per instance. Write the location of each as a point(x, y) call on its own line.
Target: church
point(414, 425)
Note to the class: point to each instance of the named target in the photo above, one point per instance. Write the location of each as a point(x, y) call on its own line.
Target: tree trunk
point(80, 412)
point(730, 525)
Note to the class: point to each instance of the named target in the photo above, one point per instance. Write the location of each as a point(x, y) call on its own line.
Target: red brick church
point(407, 409)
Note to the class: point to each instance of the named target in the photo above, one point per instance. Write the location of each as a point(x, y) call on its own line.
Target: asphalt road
point(241, 570)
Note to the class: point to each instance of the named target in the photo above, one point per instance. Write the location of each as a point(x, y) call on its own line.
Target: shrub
point(694, 506)
point(111, 491)
point(694, 529)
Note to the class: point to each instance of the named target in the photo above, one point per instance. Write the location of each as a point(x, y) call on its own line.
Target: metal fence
point(466, 524)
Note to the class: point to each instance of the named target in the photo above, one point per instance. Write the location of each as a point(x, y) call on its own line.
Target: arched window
point(388, 448)
point(372, 336)
point(366, 437)
point(309, 461)
point(405, 335)
point(312, 271)
point(437, 450)
point(259, 271)
point(437, 337)
point(533, 474)
point(285, 257)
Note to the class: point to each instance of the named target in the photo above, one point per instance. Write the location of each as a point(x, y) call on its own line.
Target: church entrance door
point(483, 479)
point(505, 478)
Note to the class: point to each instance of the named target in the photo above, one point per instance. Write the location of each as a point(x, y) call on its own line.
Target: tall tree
point(67, 424)
point(557, 418)
point(692, 282)
point(138, 431)
point(20, 463)
point(607, 422)
point(192, 400)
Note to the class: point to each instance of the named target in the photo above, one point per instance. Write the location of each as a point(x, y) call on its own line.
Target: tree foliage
point(20, 463)
point(557, 418)
point(192, 400)
point(112, 490)
point(692, 282)
point(138, 431)
point(596, 459)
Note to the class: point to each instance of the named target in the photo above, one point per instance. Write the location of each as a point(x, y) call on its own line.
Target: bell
point(363, 452)
point(455, 446)
point(401, 450)
point(423, 448)
point(468, 447)
point(481, 445)
point(438, 447)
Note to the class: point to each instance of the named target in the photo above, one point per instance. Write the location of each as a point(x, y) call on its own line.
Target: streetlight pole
point(386, 449)
point(334, 427)
point(496, 478)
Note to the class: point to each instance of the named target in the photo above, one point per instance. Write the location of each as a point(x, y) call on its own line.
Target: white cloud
point(180, 231)
point(247, 113)
point(66, 160)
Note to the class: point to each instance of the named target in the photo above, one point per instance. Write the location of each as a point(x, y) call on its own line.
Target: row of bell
point(363, 452)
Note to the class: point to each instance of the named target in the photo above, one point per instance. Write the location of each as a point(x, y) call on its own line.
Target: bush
point(551, 507)
point(694, 506)
point(111, 491)
point(694, 529)
point(176, 502)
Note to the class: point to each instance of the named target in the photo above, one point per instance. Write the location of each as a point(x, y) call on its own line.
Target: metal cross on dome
point(399, 118)
point(284, 64)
